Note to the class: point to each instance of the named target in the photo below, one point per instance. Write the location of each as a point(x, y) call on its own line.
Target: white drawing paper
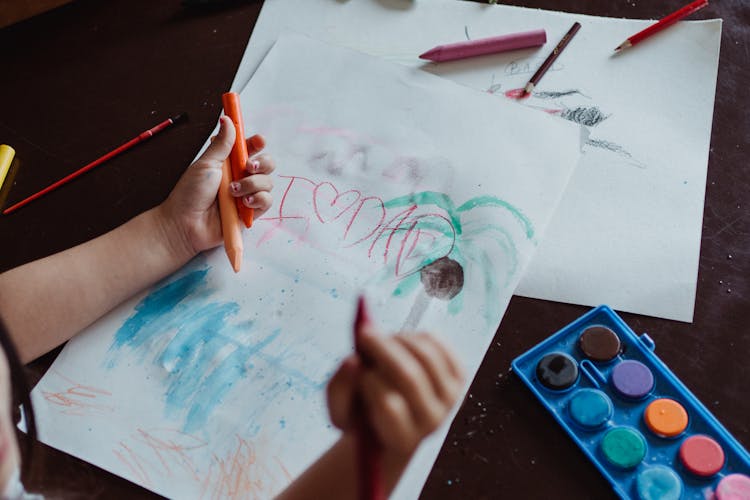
point(627, 233)
point(211, 384)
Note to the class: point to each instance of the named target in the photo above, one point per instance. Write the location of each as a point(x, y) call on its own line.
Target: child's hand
point(191, 205)
point(409, 387)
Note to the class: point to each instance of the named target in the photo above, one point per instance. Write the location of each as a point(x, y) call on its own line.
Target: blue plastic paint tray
point(641, 427)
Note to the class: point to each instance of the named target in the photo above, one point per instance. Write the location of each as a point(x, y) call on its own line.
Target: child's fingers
point(221, 146)
point(260, 202)
point(251, 185)
point(388, 413)
point(340, 391)
point(405, 372)
point(450, 360)
point(255, 144)
point(261, 164)
point(426, 350)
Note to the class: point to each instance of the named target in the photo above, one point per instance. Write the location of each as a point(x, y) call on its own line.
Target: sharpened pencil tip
point(624, 45)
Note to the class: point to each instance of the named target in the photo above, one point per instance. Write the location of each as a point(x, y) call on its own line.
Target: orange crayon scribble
point(133, 462)
point(239, 475)
point(172, 446)
point(79, 399)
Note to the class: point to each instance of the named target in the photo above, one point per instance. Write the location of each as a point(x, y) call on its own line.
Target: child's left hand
point(192, 206)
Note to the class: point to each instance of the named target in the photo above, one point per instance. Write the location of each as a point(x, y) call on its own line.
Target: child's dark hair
point(21, 394)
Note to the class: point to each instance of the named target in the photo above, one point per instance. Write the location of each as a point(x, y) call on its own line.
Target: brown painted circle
point(599, 343)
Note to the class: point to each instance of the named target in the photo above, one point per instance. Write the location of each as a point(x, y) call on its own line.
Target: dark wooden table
point(80, 79)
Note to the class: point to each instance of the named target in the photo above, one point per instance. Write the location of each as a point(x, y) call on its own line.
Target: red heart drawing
point(329, 204)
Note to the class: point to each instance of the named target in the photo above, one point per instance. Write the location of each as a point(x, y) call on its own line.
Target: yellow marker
point(6, 158)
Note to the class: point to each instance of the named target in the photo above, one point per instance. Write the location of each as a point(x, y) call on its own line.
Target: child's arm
point(45, 302)
point(409, 390)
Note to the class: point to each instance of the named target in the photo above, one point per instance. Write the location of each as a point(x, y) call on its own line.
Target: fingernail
point(248, 201)
point(235, 187)
point(254, 166)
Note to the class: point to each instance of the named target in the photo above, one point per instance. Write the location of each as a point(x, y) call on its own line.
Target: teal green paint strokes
point(406, 285)
point(429, 198)
point(491, 291)
point(460, 242)
point(491, 201)
point(456, 304)
point(444, 202)
point(504, 240)
point(444, 228)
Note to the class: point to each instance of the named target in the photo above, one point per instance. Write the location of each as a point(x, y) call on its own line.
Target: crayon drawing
point(211, 384)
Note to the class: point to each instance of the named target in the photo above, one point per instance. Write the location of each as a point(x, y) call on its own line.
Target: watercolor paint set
point(636, 421)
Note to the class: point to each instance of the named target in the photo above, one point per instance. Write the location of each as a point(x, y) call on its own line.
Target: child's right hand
point(409, 386)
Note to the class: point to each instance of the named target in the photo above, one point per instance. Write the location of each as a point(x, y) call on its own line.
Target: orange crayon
point(230, 220)
point(238, 156)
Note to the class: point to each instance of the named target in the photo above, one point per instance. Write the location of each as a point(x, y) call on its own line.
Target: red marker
point(132, 142)
point(663, 23)
point(370, 483)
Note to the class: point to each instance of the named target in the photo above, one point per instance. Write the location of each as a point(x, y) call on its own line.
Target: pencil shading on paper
point(588, 116)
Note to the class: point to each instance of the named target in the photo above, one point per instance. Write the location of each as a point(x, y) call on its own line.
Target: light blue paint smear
point(203, 358)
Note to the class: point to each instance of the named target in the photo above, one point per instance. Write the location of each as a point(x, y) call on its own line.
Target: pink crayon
point(491, 45)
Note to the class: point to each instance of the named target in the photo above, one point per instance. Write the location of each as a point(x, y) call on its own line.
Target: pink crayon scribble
point(78, 399)
point(362, 221)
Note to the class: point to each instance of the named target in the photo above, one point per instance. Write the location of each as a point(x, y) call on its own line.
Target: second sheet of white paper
point(627, 232)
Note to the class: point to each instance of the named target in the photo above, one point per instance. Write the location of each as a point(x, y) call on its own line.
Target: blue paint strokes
point(219, 381)
point(155, 305)
point(334, 293)
point(201, 345)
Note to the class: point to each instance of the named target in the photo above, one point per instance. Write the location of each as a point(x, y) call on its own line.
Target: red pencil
point(369, 482)
point(132, 142)
point(663, 23)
